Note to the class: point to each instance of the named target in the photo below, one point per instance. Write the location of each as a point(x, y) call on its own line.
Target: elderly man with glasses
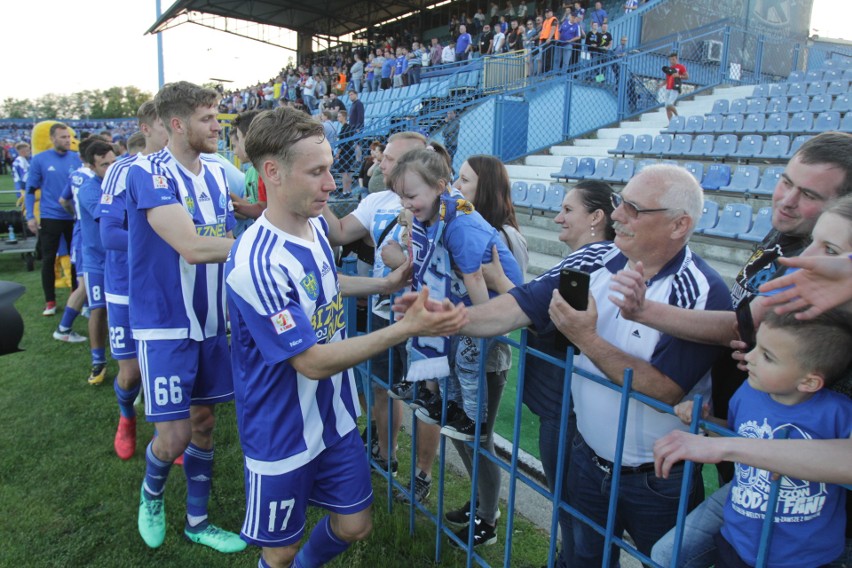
point(654, 217)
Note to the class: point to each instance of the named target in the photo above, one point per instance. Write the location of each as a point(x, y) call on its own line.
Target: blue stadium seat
point(846, 123)
point(843, 103)
point(777, 122)
point(744, 179)
point(701, 146)
point(837, 88)
point(801, 122)
point(642, 144)
point(676, 124)
point(738, 106)
point(797, 143)
point(777, 90)
point(535, 196)
point(716, 176)
point(776, 147)
point(569, 168)
point(814, 75)
point(680, 145)
point(585, 168)
point(696, 169)
point(826, 121)
point(709, 216)
point(721, 106)
point(759, 91)
point(623, 171)
point(624, 145)
point(768, 181)
point(662, 145)
point(754, 123)
point(713, 123)
point(749, 146)
point(847, 75)
point(762, 226)
point(642, 164)
point(829, 74)
point(816, 88)
point(756, 105)
point(553, 198)
point(694, 124)
point(776, 104)
point(725, 145)
point(798, 104)
point(734, 220)
point(796, 76)
point(820, 103)
point(603, 169)
point(519, 192)
point(796, 89)
point(733, 123)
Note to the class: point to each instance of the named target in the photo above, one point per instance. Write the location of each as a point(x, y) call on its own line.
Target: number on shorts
point(96, 293)
point(275, 506)
point(116, 337)
point(167, 390)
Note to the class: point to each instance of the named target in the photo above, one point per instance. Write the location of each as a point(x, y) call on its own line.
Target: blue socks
point(156, 474)
point(125, 399)
point(68, 317)
point(198, 466)
point(98, 356)
point(322, 546)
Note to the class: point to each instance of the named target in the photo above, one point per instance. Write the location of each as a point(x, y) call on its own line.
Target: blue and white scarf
point(428, 357)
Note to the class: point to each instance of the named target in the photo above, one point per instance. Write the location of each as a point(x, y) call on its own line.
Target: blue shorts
point(337, 480)
point(95, 290)
point(121, 343)
point(178, 373)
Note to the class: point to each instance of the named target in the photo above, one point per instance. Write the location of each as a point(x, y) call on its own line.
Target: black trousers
point(52, 230)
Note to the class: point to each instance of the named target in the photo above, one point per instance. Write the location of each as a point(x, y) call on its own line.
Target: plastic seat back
point(642, 164)
point(738, 106)
point(777, 122)
point(798, 104)
point(761, 227)
point(676, 124)
point(820, 103)
point(681, 145)
point(642, 144)
point(603, 169)
point(756, 105)
point(713, 123)
point(519, 192)
point(760, 91)
point(776, 147)
point(814, 75)
point(696, 169)
point(796, 76)
point(843, 103)
point(702, 145)
point(732, 123)
point(846, 123)
point(624, 144)
point(801, 122)
point(776, 104)
point(585, 168)
point(754, 123)
point(837, 88)
point(569, 168)
point(709, 216)
point(744, 178)
point(816, 88)
point(768, 180)
point(716, 176)
point(749, 146)
point(694, 124)
point(825, 121)
point(734, 220)
point(721, 106)
point(797, 143)
point(553, 198)
point(662, 144)
point(535, 196)
point(623, 171)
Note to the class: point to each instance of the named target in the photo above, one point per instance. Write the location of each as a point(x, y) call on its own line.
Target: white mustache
point(621, 228)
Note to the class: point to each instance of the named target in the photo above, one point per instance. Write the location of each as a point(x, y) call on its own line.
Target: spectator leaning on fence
point(654, 217)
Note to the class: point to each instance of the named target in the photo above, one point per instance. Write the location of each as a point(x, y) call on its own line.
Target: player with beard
point(179, 233)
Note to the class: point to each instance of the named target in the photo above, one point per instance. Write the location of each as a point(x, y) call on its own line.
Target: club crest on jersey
point(160, 182)
point(223, 201)
point(106, 199)
point(283, 321)
point(310, 285)
point(190, 204)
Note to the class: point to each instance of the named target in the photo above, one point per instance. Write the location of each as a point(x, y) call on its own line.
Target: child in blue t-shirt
point(790, 366)
point(449, 243)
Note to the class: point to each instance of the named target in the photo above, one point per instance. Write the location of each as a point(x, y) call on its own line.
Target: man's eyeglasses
point(631, 208)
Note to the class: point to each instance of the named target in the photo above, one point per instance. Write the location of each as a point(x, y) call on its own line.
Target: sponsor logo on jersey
point(310, 285)
point(328, 319)
point(325, 269)
point(203, 196)
point(282, 321)
point(160, 182)
point(211, 230)
point(51, 169)
point(106, 199)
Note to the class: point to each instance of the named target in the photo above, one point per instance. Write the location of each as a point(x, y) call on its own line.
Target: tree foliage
point(115, 102)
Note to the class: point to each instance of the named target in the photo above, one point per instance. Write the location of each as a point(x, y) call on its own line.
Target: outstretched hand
point(822, 283)
point(678, 446)
point(423, 319)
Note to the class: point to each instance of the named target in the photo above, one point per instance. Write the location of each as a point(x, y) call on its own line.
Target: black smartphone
point(574, 289)
point(745, 325)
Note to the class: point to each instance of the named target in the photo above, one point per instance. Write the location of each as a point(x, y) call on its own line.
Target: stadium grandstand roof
point(326, 17)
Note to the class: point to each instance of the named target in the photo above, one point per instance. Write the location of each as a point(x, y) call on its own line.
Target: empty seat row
point(797, 122)
point(606, 169)
point(798, 103)
point(835, 87)
point(775, 147)
point(538, 196)
point(734, 222)
point(828, 74)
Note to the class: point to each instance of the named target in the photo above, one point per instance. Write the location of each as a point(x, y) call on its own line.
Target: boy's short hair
point(180, 100)
point(273, 132)
point(21, 145)
point(824, 342)
point(243, 120)
point(96, 148)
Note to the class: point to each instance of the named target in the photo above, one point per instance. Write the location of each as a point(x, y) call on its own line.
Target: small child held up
point(449, 243)
point(789, 369)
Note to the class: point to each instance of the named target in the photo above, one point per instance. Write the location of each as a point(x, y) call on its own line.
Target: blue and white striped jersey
point(20, 167)
point(169, 297)
point(112, 213)
point(283, 298)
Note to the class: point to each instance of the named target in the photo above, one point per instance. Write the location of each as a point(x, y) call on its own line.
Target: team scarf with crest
point(428, 357)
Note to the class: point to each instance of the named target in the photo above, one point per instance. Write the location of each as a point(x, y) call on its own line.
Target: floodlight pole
point(160, 73)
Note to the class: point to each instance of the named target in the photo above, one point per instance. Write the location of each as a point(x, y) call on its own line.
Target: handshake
point(669, 70)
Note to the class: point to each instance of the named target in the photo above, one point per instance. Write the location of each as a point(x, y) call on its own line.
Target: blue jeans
point(647, 505)
point(698, 549)
point(462, 386)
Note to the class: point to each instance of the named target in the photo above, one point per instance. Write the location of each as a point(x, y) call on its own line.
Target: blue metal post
point(726, 52)
point(516, 437)
point(766, 529)
point(160, 72)
point(560, 455)
point(758, 57)
point(474, 474)
point(685, 485)
point(615, 483)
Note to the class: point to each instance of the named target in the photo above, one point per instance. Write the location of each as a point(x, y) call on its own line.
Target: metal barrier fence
point(516, 476)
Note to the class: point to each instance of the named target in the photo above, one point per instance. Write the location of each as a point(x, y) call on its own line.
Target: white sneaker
point(69, 336)
point(49, 309)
